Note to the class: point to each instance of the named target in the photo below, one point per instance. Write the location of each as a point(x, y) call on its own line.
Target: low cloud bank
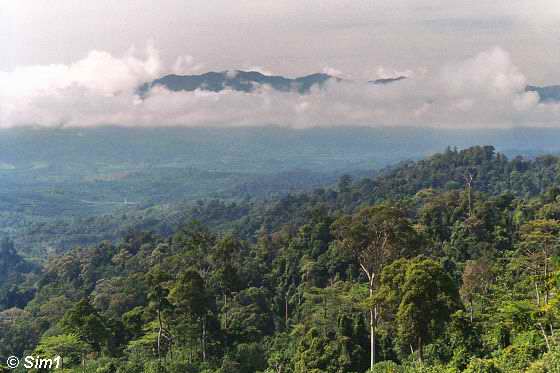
point(487, 90)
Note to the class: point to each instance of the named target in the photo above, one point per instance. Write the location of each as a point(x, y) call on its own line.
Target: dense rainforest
point(449, 264)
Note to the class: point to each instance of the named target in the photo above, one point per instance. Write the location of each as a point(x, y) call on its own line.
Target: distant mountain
point(387, 80)
point(246, 81)
point(547, 93)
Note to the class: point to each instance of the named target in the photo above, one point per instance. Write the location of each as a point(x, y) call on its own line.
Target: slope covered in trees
point(450, 264)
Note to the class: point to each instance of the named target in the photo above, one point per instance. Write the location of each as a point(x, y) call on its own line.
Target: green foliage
point(526, 347)
point(456, 279)
point(386, 367)
point(84, 321)
point(68, 346)
point(549, 363)
point(482, 366)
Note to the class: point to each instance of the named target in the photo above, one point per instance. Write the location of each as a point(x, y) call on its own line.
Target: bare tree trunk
point(372, 339)
point(375, 334)
point(159, 335)
point(372, 315)
point(372, 324)
point(545, 337)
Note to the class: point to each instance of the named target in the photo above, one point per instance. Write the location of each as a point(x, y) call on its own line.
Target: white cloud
point(185, 65)
point(490, 73)
point(260, 69)
point(332, 71)
point(99, 72)
point(386, 73)
point(486, 90)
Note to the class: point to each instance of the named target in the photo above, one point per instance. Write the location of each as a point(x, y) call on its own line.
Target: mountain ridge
point(249, 81)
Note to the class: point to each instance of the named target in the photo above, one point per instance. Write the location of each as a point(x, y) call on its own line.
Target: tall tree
point(476, 279)
point(84, 321)
point(539, 241)
point(157, 301)
point(429, 297)
point(375, 236)
point(191, 300)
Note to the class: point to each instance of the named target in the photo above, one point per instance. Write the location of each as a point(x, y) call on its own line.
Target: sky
point(75, 63)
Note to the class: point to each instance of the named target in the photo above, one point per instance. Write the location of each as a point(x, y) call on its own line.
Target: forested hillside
point(78, 186)
point(449, 264)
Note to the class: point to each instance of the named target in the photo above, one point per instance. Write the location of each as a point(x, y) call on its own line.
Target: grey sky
point(71, 63)
point(289, 37)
